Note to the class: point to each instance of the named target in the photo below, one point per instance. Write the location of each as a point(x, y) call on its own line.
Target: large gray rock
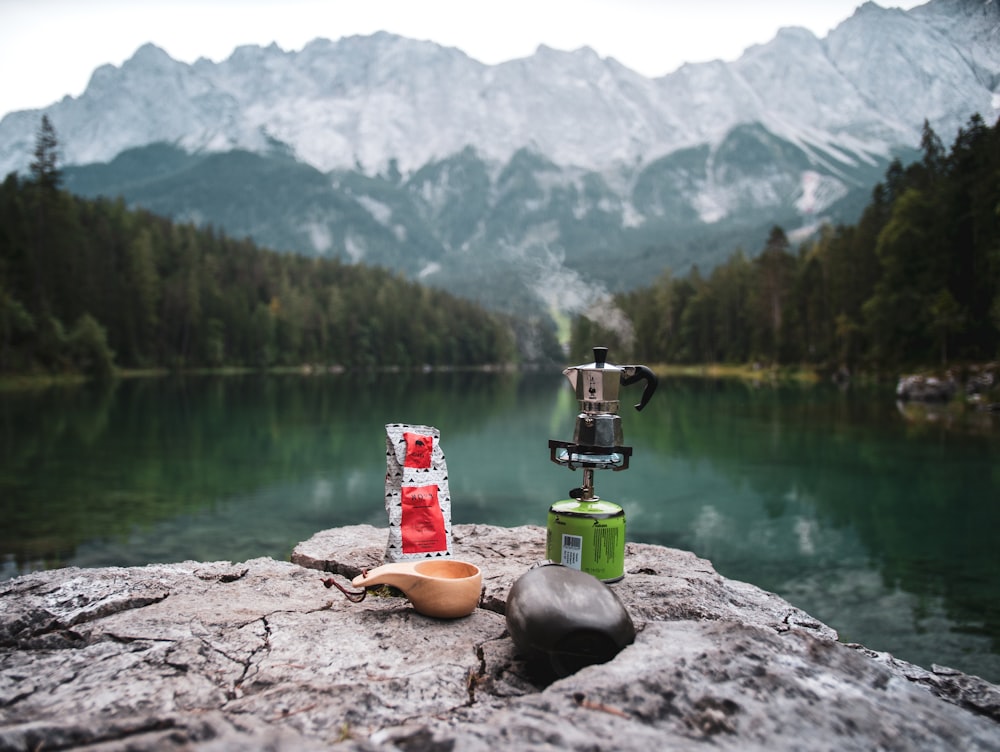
point(260, 655)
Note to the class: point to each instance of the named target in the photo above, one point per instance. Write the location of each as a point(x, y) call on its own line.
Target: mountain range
point(536, 184)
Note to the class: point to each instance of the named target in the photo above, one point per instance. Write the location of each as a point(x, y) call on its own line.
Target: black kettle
point(564, 619)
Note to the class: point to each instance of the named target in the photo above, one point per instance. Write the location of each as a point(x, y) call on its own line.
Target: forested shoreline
point(915, 282)
point(90, 286)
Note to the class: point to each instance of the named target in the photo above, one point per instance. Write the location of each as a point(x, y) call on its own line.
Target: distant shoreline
point(27, 382)
point(800, 374)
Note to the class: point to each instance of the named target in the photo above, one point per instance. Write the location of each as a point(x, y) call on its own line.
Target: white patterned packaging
point(416, 493)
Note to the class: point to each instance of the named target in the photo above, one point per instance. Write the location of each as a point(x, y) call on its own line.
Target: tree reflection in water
point(878, 520)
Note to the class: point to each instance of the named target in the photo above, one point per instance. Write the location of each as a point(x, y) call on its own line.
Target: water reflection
point(240, 462)
point(883, 530)
point(878, 523)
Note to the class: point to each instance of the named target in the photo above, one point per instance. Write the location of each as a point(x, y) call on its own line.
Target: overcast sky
point(49, 48)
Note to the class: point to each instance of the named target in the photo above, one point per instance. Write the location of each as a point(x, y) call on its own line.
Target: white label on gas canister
point(572, 547)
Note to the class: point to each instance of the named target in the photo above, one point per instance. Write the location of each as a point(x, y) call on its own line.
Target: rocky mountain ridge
point(561, 170)
point(369, 101)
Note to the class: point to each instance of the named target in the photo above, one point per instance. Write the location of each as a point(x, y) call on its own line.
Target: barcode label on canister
point(572, 547)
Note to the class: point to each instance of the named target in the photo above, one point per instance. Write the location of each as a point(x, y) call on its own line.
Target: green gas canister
point(589, 536)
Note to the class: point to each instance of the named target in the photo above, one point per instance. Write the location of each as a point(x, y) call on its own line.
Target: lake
point(880, 520)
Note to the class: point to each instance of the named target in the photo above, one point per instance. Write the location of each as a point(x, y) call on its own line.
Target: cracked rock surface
point(260, 655)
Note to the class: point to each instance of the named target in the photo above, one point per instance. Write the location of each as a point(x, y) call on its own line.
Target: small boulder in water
point(925, 389)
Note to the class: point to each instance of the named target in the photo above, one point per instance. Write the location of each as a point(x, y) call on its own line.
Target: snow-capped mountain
point(366, 100)
point(415, 155)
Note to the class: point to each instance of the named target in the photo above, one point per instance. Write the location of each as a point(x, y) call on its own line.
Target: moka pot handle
point(632, 374)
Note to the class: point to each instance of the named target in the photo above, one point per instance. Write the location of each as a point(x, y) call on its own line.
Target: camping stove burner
point(586, 456)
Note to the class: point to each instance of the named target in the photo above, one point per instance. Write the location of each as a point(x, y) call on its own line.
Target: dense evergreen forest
point(915, 282)
point(89, 285)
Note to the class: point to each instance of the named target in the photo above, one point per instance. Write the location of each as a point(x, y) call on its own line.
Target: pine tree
point(45, 166)
point(775, 273)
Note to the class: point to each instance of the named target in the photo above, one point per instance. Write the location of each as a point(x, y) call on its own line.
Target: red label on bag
point(422, 525)
point(418, 450)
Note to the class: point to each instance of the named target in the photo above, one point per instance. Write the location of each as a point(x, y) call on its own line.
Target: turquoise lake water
point(879, 519)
